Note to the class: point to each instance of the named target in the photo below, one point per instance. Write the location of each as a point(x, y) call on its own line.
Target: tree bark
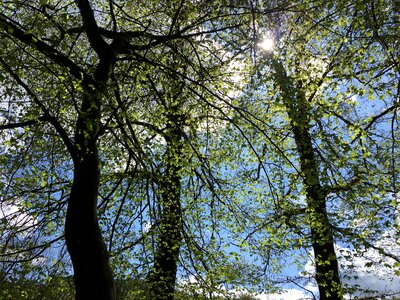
point(327, 268)
point(298, 110)
point(162, 278)
point(92, 272)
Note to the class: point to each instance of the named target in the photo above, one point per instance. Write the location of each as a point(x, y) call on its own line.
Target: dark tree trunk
point(298, 109)
point(161, 282)
point(92, 272)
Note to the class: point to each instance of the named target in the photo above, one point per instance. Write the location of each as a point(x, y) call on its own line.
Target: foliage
point(218, 162)
point(54, 288)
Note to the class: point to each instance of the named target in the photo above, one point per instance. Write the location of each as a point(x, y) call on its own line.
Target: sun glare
point(267, 44)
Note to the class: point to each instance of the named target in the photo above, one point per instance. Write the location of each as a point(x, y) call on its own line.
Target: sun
point(267, 44)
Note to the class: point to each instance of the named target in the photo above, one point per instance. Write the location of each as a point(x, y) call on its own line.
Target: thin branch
point(376, 118)
point(47, 244)
point(52, 120)
point(56, 56)
point(348, 232)
point(22, 124)
point(112, 13)
point(343, 187)
point(114, 225)
point(175, 18)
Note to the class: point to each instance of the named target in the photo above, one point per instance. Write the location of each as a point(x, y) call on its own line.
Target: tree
point(307, 81)
point(298, 110)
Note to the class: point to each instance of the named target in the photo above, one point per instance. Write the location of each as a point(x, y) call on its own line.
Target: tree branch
point(56, 56)
point(376, 118)
point(22, 124)
point(92, 29)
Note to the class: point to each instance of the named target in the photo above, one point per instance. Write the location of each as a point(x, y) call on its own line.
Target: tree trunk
point(92, 272)
point(162, 278)
point(327, 269)
point(298, 109)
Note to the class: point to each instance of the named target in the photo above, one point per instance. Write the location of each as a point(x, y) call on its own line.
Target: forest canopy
point(199, 149)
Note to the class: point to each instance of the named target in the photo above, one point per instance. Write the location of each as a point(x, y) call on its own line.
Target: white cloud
point(369, 271)
point(373, 273)
point(14, 215)
point(286, 294)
